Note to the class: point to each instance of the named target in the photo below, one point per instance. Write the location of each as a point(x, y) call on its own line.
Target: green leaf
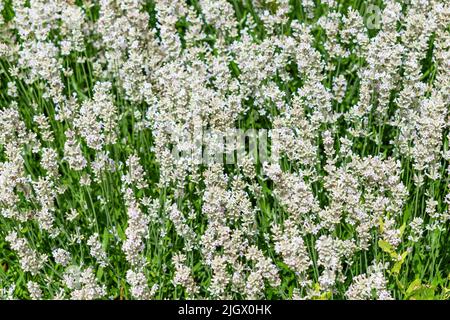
point(121, 233)
point(387, 247)
point(324, 296)
point(398, 265)
point(99, 273)
point(105, 239)
point(381, 222)
point(402, 229)
point(417, 291)
point(423, 293)
point(413, 286)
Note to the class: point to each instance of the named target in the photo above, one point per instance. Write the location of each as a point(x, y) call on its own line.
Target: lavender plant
point(224, 149)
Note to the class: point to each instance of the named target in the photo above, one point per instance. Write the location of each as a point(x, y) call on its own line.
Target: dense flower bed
point(241, 149)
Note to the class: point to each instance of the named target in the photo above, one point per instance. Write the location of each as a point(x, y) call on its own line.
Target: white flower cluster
point(114, 122)
point(83, 284)
point(371, 285)
point(30, 260)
